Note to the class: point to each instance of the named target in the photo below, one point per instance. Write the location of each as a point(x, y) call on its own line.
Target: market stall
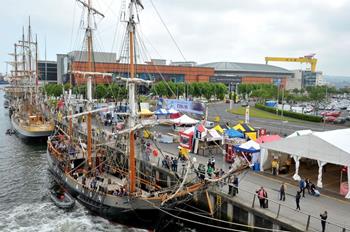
point(331, 147)
point(251, 151)
point(182, 123)
point(245, 128)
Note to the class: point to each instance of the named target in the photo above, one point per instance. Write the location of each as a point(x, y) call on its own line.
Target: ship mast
point(88, 32)
point(132, 100)
point(30, 62)
point(16, 64)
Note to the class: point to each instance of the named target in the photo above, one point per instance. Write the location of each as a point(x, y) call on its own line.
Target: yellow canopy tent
point(219, 129)
point(145, 113)
point(247, 129)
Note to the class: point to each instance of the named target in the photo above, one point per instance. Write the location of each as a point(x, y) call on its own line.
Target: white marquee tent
point(325, 147)
point(184, 120)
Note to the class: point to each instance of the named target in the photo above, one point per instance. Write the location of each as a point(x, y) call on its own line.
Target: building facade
point(232, 73)
point(47, 71)
point(156, 70)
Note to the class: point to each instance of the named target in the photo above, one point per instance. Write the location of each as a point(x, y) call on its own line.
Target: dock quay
point(227, 211)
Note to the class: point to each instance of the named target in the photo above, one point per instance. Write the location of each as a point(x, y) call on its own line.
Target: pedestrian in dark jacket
point(323, 220)
point(308, 185)
point(283, 189)
point(235, 184)
point(302, 186)
point(297, 199)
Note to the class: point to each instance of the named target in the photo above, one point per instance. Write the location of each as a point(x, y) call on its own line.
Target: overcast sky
point(205, 30)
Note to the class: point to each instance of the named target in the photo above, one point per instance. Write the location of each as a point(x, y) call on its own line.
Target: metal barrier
point(278, 210)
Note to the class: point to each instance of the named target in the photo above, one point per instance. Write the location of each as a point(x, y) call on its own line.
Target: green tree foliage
point(260, 91)
point(54, 89)
point(220, 90)
point(208, 90)
point(160, 89)
point(196, 89)
point(317, 94)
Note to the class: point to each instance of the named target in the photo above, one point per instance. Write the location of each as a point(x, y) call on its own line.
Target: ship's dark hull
point(141, 218)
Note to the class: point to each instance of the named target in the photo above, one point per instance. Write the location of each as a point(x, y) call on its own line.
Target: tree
point(101, 92)
point(220, 90)
point(180, 89)
point(208, 90)
point(317, 94)
point(295, 91)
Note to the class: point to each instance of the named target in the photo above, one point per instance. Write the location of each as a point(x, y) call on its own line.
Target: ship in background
point(25, 102)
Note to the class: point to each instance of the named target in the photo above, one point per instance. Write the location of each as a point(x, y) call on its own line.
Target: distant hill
point(337, 81)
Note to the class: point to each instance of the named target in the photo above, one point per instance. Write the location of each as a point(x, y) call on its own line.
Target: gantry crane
point(305, 59)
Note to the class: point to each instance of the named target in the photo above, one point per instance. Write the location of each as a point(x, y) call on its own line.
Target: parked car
point(348, 118)
point(244, 103)
point(339, 120)
point(331, 113)
point(330, 119)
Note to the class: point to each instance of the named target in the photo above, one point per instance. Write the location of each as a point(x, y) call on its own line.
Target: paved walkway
point(338, 209)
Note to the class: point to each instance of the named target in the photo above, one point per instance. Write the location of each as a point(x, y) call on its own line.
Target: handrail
point(309, 215)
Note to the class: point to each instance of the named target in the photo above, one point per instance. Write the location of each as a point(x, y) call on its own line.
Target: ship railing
point(278, 210)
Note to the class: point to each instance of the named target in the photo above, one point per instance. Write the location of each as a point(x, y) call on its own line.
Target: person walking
point(283, 189)
point(262, 194)
point(297, 199)
point(302, 186)
point(308, 185)
point(235, 184)
point(213, 162)
point(323, 220)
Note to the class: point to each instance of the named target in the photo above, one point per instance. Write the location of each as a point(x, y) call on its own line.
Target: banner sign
point(185, 106)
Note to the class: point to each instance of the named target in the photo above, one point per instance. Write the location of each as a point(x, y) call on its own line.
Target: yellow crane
point(306, 59)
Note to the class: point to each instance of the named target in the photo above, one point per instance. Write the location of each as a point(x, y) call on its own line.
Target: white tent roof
point(330, 146)
point(299, 133)
point(172, 111)
point(185, 120)
point(214, 135)
point(250, 144)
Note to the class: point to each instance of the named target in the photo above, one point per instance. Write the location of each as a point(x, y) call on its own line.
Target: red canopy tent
point(268, 138)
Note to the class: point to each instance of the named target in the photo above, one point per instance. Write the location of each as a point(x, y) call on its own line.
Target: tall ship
point(28, 116)
point(109, 176)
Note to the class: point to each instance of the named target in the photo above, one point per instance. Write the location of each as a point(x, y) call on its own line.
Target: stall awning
point(213, 135)
point(219, 129)
point(244, 127)
point(145, 112)
point(250, 146)
point(161, 112)
point(330, 146)
point(184, 120)
point(268, 138)
point(232, 133)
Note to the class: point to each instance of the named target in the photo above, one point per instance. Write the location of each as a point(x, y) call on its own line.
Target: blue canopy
point(161, 112)
point(251, 146)
point(232, 133)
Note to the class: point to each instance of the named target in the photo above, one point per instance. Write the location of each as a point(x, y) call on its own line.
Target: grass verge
point(256, 113)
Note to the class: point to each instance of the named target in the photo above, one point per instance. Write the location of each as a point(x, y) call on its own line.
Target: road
point(273, 126)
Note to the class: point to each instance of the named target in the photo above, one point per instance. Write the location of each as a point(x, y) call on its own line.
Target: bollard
point(253, 201)
point(308, 223)
point(278, 212)
point(344, 230)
